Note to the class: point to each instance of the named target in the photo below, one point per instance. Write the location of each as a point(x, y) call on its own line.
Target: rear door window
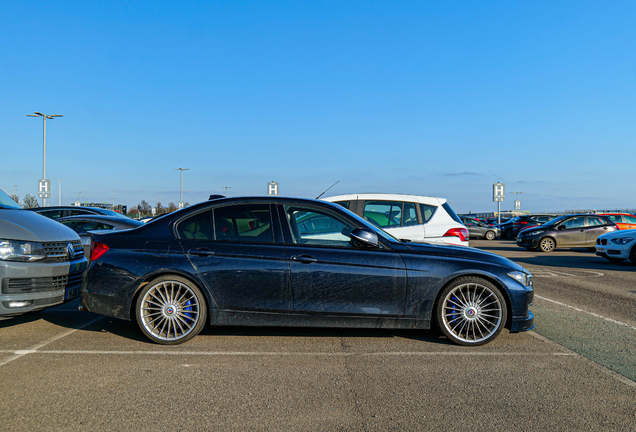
point(385, 214)
point(197, 227)
point(595, 221)
point(409, 217)
point(244, 223)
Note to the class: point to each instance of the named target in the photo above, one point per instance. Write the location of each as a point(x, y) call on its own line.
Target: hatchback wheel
point(632, 255)
point(490, 235)
point(471, 311)
point(547, 244)
point(171, 310)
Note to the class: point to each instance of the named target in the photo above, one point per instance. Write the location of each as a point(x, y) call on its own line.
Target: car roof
point(388, 197)
point(101, 218)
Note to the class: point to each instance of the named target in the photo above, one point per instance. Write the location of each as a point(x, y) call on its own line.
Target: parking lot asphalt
point(63, 369)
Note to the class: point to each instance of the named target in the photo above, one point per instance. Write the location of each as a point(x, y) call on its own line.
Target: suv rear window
point(451, 213)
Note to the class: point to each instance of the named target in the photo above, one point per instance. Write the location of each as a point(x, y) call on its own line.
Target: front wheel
point(171, 310)
point(547, 244)
point(490, 235)
point(471, 311)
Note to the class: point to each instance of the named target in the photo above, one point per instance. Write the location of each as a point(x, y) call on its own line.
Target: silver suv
point(41, 261)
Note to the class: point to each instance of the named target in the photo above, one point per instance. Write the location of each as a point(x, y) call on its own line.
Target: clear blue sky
point(430, 98)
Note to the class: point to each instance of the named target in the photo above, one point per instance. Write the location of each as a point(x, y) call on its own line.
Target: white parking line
point(587, 312)
point(287, 353)
point(36, 347)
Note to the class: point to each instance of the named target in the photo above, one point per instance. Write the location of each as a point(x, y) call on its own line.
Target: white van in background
point(417, 218)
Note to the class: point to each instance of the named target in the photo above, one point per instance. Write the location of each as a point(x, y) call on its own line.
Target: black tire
point(632, 255)
point(547, 244)
point(467, 321)
point(507, 234)
point(615, 260)
point(490, 235)
point(592, 249)
point(171, 310)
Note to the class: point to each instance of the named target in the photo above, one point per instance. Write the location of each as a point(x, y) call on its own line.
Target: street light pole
point(44, 117)
point(59, 193)
point(181, 196)
point(226, 188)
point(517, 200)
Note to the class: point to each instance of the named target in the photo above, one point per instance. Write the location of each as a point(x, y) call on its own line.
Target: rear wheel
point(632, 255)
point(547, 244)
point(471, 311)
point(490, 235)
point(171, 310)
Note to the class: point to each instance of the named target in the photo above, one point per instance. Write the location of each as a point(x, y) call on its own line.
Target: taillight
point(97, 250)
point(462, 233)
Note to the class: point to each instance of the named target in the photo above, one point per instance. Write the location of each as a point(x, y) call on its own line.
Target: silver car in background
point(41, 261)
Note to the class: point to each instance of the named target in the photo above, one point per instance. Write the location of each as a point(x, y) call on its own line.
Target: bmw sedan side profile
point(270, 261)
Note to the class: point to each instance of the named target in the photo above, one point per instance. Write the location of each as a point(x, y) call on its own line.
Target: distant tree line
point(144, 209)
point(28, 202)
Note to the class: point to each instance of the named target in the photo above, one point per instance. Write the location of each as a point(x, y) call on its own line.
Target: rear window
point(451, 213)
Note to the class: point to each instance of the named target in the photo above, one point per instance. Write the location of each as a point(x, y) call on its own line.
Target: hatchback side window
point(79, 212)
point(197, 227)
point(630, 219)
point(81, 226)
point(316, 227)
point(595, 221)
point(575, 222)
point(345, 204)
point(410, 214)
point(427, 211)
point(244, 223)
point(615, 218)
point(385, 214)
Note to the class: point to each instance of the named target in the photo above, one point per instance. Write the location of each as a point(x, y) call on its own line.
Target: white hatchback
point(412, 217)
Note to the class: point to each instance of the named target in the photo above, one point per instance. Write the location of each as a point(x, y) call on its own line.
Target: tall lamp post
point(59, 193)
point(181, 196)
point(44, 117)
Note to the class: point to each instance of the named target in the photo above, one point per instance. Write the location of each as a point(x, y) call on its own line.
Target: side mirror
point(364, 237)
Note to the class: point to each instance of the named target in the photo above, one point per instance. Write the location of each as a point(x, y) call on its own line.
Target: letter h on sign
point(499, 192)
point(272, 188)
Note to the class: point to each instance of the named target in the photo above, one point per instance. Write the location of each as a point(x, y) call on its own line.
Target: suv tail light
point(462, 233)
point(97, 250)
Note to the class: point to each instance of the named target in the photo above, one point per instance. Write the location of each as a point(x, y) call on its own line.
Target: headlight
point(16, 250)
point(622, 240)
point(524, 279)
point(535, 233)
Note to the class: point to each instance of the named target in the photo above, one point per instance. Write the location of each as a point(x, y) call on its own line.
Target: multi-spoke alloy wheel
point(471, 311)
point(546, 244)
point(171, 310)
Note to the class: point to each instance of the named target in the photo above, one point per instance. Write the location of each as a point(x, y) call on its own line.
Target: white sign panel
point(499, 192)
point(517, 205)
point(44, 188)
point(272, 188)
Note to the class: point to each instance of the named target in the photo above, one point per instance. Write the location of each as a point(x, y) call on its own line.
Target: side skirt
point(244, 318)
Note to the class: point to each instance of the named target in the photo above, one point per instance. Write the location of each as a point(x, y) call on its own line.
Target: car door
point(238, 252)
point(331, 275)
point(629, 221)
point(594, 227)
point(572, 232)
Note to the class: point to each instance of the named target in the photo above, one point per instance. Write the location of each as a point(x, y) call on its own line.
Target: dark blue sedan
point(265, 261)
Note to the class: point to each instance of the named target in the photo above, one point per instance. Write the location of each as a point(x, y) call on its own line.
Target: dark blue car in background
point(269, 261)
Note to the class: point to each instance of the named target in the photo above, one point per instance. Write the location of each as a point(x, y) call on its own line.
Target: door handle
point(306, 259)
point(201, 252)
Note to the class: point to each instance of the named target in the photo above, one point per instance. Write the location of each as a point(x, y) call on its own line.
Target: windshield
point(554, 221)
point(6, 202)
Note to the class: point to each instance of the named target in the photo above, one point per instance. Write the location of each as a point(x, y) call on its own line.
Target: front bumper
point(27, 287)
point(613, 251)
point(521, 324)
point(528, 242)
